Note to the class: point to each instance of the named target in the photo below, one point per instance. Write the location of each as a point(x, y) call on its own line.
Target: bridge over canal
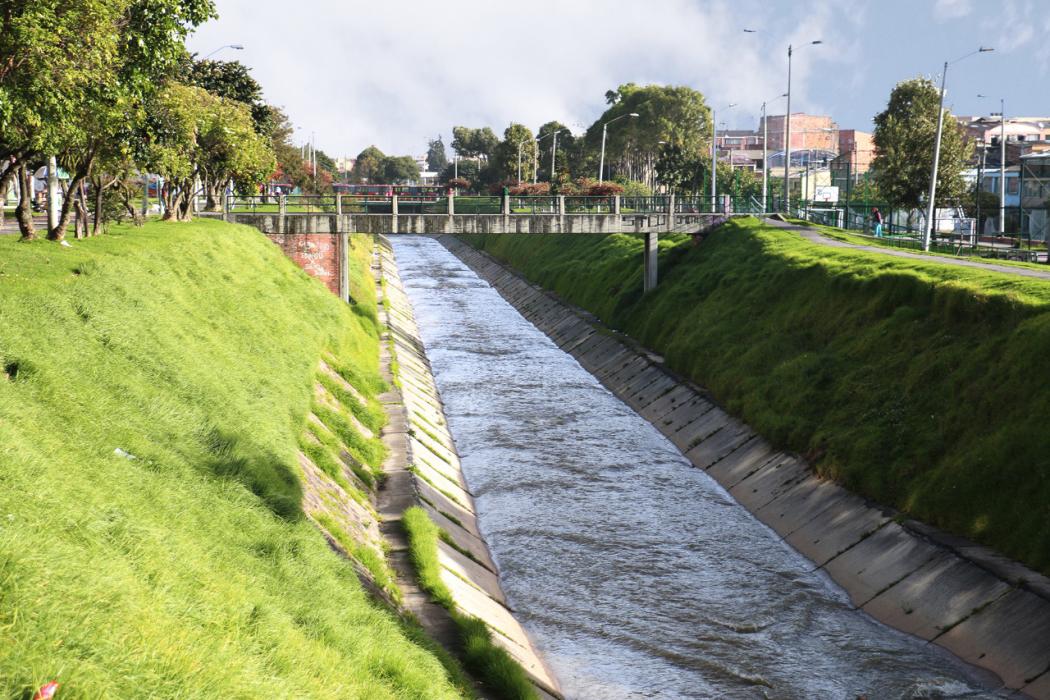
point(308, 226)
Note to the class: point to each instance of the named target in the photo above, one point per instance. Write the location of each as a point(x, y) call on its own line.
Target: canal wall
point(989, 611)
point(423, 468)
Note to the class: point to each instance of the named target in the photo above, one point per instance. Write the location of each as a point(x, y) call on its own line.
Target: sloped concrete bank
point(423, 469)
point(989, 611)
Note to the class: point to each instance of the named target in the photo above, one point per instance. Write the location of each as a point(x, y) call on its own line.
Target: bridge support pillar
point(616, 204)
point(561, 213)
point(650, 261)
point(282, 212)
point(338, 204)
point(393, 213)
point(344, 266)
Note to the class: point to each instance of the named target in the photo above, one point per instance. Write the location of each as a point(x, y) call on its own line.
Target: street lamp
point(536, 153)
point(235, 47)
point(765, 154)
point(1002, 166)
point(714, 156)
point(931, 204)
point(787, 125)
point(601, 162)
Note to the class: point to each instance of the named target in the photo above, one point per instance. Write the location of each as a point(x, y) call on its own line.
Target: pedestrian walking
point(876, 218)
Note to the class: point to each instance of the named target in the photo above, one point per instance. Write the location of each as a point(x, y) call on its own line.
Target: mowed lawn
point(155, 382)
point(920, 385)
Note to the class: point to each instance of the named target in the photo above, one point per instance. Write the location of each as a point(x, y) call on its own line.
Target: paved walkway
point(814, 236)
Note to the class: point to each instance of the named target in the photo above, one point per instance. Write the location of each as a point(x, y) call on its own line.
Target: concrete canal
point(636, 574)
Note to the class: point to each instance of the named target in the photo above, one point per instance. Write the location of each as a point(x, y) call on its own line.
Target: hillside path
point(814, 236)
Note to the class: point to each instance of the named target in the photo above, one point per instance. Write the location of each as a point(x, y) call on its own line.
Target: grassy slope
point(917, 384)
point(188, 571)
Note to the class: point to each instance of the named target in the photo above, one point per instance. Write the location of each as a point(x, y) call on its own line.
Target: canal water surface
point(636, 574)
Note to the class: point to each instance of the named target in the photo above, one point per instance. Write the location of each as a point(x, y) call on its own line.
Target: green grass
point(190, 570)
point(912, 245)
point(917, 384)
point(491, 664)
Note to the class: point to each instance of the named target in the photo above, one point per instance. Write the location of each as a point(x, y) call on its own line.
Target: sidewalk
point(814, 236)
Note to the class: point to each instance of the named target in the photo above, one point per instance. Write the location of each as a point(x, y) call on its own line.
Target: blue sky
point(394, 73)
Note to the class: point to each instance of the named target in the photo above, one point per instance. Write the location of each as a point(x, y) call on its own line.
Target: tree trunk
point(127, 198)
point(171, 202)
point(59, 231)
point(5, 185)
point(80, 220)
point(24, 212)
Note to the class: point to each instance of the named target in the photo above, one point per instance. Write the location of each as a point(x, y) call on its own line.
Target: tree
point(567, 156)
point(904, 139)
point(197, 134)
point(666, 114)
point(397, 170)
point(436, 158)
point(232, 80)
point(75, 75)
point(516, 138)
point(468, 170)
point(474, 143)
point(679, 171)
point(368, 166)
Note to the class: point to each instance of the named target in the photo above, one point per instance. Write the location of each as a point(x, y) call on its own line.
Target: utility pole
point(765, 161)
point(787, 138)
point(1002, 168)
point(931, 203)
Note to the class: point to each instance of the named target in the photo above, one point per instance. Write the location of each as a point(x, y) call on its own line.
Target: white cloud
point(396, 73)
point(952, 9)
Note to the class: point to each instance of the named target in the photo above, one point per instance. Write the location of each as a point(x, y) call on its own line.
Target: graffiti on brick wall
point(316, 253)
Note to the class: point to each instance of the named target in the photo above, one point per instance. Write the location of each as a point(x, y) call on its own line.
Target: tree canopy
point(436, 156)
point(904, 139)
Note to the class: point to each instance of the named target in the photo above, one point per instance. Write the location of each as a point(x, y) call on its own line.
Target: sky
point(396, 73)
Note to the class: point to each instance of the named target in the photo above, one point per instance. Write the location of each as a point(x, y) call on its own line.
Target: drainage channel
point(636, 574)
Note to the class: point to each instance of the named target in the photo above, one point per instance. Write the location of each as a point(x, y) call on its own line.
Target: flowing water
point(637, 574)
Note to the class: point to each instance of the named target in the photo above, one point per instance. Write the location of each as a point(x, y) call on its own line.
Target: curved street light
point(931, 203)
point(1002, 166)
point(601, 163)
point(554, 151)
point(235, 47)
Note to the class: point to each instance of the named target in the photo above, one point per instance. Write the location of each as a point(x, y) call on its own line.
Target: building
point(857, 149)
point(1029, 130)
point(808, 132)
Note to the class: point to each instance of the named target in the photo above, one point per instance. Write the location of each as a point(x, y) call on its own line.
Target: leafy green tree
point(567, 156)
point(468, 170)
point(398, 170)
point(201, 135)
point(232, 80)
point(368, 166)
point(904, 139)
point(436, 157)
point(474, 143)
point(666, 114)
point(75, 75)
point(516, 138)
point(679, 171)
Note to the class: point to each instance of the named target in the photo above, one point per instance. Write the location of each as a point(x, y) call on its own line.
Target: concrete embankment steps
point(991, 612)
point(423, 469)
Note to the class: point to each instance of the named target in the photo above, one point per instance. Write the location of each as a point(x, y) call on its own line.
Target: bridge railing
point(589, 205)
point(534, 205)
point(254, 204)
point(479, 205)
point(644, 205)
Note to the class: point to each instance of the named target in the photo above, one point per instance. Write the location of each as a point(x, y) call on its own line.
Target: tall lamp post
point(605, 127)
point(714, 157)
point(1002, 165)
point(932, 201)
point(787, 126)
point(765, 156)
point(536, 154)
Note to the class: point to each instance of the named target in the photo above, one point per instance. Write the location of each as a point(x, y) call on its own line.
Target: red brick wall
point(317, 253)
